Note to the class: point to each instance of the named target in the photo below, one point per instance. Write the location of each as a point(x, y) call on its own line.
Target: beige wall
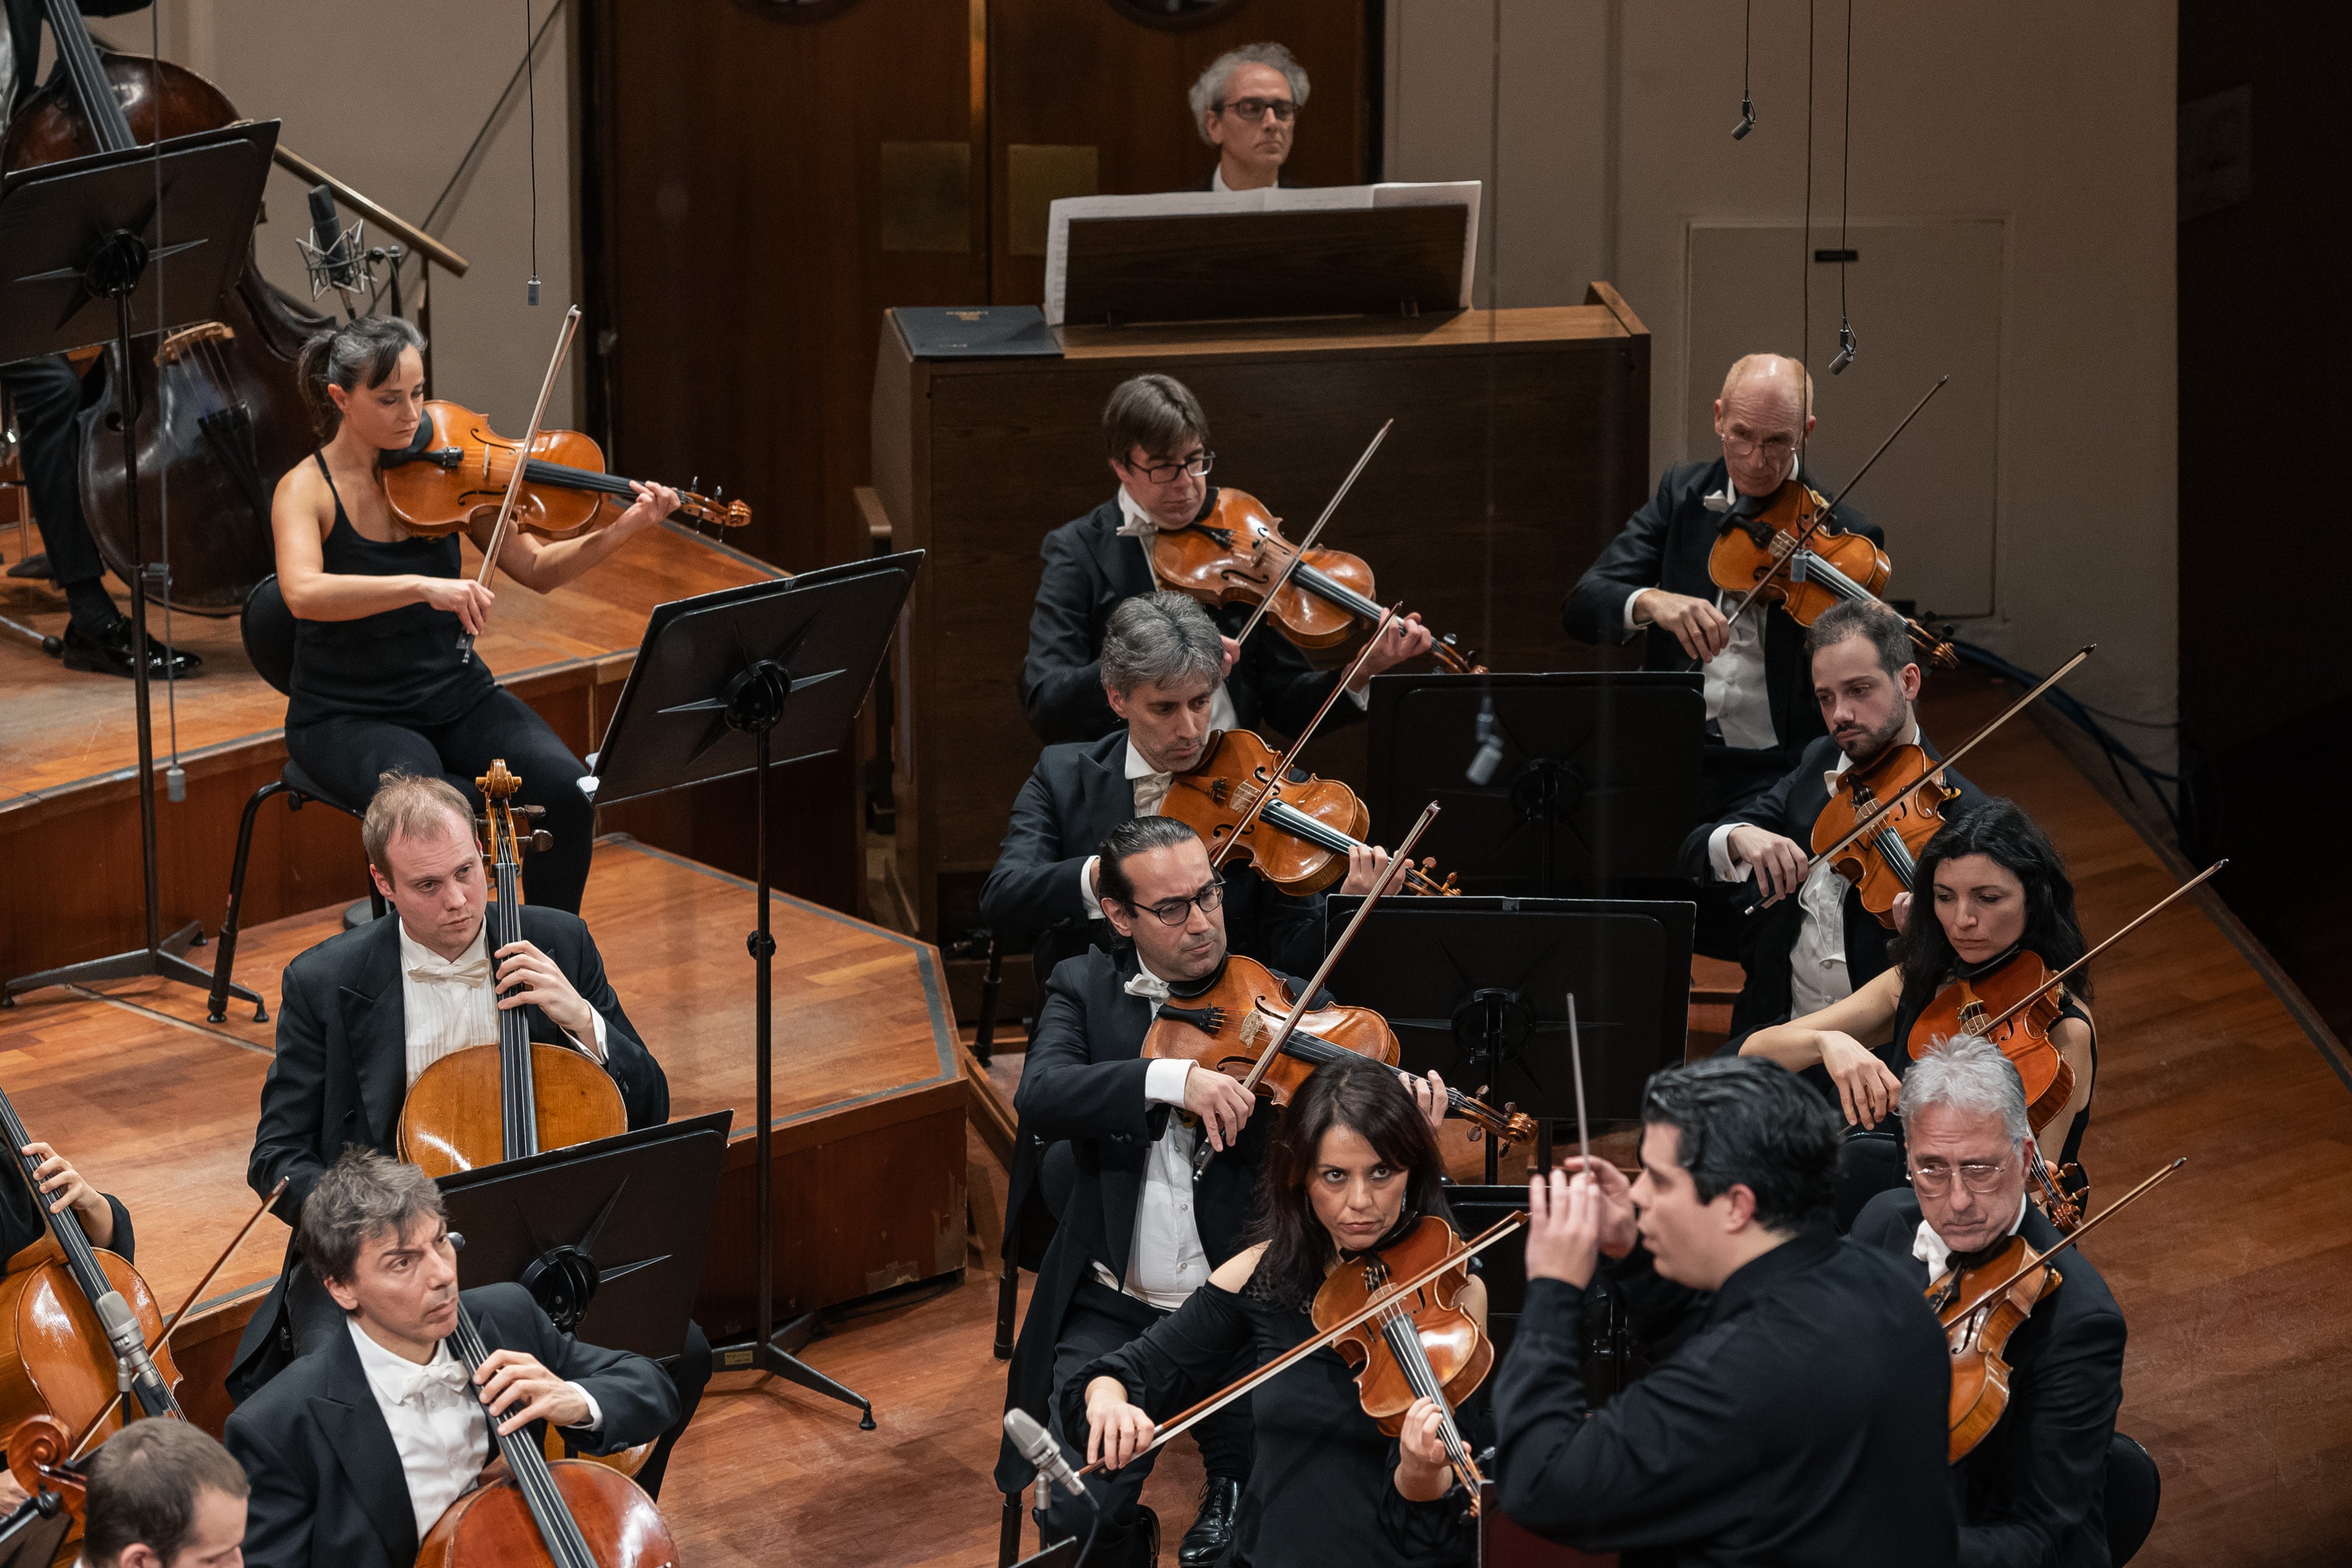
point(2055, 121)
point(386, 99)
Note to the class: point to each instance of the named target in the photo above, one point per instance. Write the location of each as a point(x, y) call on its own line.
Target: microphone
point(1747, 119)
point(1845, 350)
point(1481, 767)
point(1037, 1445)
point(136, 1368)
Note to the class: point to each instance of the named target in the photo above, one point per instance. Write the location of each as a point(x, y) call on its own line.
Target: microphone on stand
point(1481, 771)
point(1037, 1445)
point(332, 254)
point(134, 1367)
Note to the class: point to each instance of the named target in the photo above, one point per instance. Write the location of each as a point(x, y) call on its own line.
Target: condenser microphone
point(1037, 1445)
point(1747, 119)
point(336, 263)
point(1481, 771)
point(137, 1368)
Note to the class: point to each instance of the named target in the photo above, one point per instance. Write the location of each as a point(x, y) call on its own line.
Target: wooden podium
point(976, 460)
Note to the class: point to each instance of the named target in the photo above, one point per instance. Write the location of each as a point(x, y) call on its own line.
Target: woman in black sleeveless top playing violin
point(379, 681)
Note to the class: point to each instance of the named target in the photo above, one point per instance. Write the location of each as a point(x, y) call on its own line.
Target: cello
point(509, 1100)
point(218, 413)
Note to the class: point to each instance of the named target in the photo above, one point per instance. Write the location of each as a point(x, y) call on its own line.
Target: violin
point(1884, 861)
point(1981, 1307)
point(569, 1513)
point(1299, 839)
point(1247, 998)
point(1792, 554)
point(457, 468)
point(1236, 552)
point(1420, 1344)
point(2015, 1004)
point(512, 1099)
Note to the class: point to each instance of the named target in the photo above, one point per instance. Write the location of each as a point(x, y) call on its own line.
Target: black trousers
point(1100, 1321)
point(47, 395)
point(346, 756)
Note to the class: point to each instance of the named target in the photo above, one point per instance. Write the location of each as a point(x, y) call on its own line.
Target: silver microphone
point(131, 1349)
point(1037, 1447)
point(1481, 771)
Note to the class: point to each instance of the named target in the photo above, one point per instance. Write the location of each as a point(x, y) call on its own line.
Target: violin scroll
point(37, 1449)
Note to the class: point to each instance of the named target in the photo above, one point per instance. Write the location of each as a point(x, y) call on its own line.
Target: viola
point(569, 1513)
point(512, 1099)
point(1421, 1344)
point(1981, 1307)
point(1792, 554)
point(1884, 861)
point(457, 468)
point(1236, 552)
point(1225, 1026)
point(2014, 1005)
point(1299, 839)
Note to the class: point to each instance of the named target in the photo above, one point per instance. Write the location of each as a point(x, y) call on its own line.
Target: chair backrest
point(2135, 1487)
point(267, 627)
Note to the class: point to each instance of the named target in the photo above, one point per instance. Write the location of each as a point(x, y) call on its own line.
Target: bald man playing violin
point(1653, 582)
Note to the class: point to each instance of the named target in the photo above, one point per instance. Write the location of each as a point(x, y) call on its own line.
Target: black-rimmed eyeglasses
point(1198, 465)
point(1179, 912)
point(1255, 108)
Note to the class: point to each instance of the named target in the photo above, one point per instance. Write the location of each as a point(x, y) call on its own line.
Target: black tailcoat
point(1090, 571)
point(2034, 1491)
point(328, 1488)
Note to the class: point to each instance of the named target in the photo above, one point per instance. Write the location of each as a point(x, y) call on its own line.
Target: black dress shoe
point(1143, 1540)
point(36, 565)
point(1212, 1527)
point(108, 653)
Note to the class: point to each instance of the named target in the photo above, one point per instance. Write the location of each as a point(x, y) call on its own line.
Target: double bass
point(509, 1100)
point(219, 415)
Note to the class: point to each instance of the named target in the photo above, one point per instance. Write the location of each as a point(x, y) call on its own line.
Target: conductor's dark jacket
point(1072, 799)
point(1090, 571)
point(1083, 1082)
point(341, 1074)
point(1666, 545)
point(328, 1488)
point(1789, 808)
point(2034, 1491)
point(1798, 1417)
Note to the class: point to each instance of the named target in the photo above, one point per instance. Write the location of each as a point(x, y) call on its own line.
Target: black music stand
point(1597, 787)
point(593, 1231)
point(1477, 989)
point(721, 683)
point(83, 243)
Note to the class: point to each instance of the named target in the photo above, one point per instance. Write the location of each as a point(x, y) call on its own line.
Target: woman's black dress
point(23, 1223)
point(1321, 1488)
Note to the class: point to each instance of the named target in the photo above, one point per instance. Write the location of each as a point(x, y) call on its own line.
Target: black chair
point(2135, 1487)
point(268, 627)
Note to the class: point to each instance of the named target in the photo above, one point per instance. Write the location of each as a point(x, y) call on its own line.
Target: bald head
point(1763, 417)
point(1773, 377)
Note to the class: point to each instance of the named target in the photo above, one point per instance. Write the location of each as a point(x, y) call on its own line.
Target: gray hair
point(1159, 639)
point(1210, 90)
point(363, 1194)
point(1968, 1073)
point(357, 354)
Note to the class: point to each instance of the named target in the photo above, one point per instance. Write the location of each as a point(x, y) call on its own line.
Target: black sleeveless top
point(1896, 1055)
point(400, 666)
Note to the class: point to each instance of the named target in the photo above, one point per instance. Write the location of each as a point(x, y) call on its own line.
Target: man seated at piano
point(1156, 439)
point(1246, 106)
point(356, 1449)
point(364, 1012)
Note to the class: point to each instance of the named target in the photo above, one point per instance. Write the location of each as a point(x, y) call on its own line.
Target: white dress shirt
point(449, 1004)
point(1928, 1244)
point(1167, 1263)
point(1817, 968)
point(438, 1422)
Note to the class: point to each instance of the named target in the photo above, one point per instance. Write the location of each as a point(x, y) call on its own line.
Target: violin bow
point(1869, 824)
point(1374, 1306)
point(2036, 1260)
point(1298, 551)
point(194, 1296)
point(1282, 767)
point(2057, 980)
point(1822, 519)
point(1576, 1055)
point(1314, 987)
point(522, 464)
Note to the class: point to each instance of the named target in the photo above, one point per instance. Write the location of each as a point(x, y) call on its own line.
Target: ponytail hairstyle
point(358, 353)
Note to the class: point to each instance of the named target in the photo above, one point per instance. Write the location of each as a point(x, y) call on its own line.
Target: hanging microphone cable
point(1845, 201)
point(530, 91)
point(1490, 755)
point(1747, 57)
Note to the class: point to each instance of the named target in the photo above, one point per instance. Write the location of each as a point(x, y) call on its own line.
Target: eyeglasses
point(1178, 911)
point(1282, 109)
point(1934, 1177)
point(1198, 466)
point(1777, 446)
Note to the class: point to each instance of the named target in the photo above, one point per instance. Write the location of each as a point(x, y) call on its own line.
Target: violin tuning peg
point(541, 840)
point(1476, 1133)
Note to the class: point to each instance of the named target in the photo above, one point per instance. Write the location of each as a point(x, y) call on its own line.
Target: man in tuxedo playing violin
point(1653, 580)
point(1156, 439)
point(364, 1012)
point(2033, 1491)
point(1815, 944)
point(356, 1449)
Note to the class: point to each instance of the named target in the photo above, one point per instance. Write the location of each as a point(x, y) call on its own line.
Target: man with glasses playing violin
point(1653, 580)
point(2033, 1490)
point(1156, 439)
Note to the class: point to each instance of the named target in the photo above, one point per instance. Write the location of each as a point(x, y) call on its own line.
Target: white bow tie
point(1148, 986)
point(470, 973)
point(444, 1371)
point(1719, 502)
point(1138, 527)
point(1928, 1248)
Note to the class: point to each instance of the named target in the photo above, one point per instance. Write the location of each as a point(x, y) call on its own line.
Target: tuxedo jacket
point(1666, 545)
point(1767, 937)
point(341, 1074)
point(2034, 1491)
point(1090, 571)
point(328, 1488)
point(1083, 1081)
point(1072, 800)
